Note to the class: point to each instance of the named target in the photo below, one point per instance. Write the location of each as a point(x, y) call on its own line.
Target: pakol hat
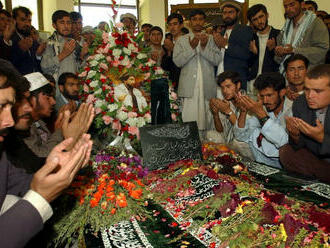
point(87, 30)
point(37, 80)
point(230, 3)
point(128, 15)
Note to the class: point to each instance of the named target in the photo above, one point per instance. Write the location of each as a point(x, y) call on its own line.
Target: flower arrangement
point(111, 193)
point(223, 159)
point(113, 55)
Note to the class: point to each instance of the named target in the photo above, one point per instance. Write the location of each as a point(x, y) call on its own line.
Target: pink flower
point(129, 65)
point(146, 75)
point(173, 116)
point(83, 74)
point(174, 106)
point(148, 116)
point(116, 125)
point(86, 89)
point(103, 77)
point(115, 63)
point(134, 131)
point(107, 119)
point(131, 114)
point(119, 25)
point(109, 59)
point(90, 98)
point(98, 110)
point(104, 66)
point(105, 37)
point(174, 95)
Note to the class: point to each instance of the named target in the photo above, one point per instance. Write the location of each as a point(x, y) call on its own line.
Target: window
point(95, 11)
point(31, 5)
point(175, 2)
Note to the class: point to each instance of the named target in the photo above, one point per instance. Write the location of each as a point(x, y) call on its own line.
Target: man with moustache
point(265, 132)
point(295, 71)
point(62, 53)
point(24, 50)
point(41, 141)
point(263, 43)
point(308, 152)
point(234, 41)
point(24, 199)
point(197, 55)
point(18, 152)
point(303, 33)
point(174, 24)
point(69, 85)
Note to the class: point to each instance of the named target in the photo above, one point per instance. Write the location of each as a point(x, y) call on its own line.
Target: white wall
point(152, 11)
point(50, 6)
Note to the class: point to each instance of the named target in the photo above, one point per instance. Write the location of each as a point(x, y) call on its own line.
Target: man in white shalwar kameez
point(197, 55)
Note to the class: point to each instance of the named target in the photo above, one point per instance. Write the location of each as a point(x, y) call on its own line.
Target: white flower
point(94, 84)
point(132, 121)
point(125, 61)
point(159, 71)
point(121, 115)
point(99, 56)
point(99, 91)
point(116, 52)
point(91, 74)
point(126, 51)
point(132, 48)
point(112, 107)
point(112, 41)
point(99, 103)
point(140, 122)
point(142, 56)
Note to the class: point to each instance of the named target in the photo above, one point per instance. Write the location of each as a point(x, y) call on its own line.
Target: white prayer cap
point(37, 80)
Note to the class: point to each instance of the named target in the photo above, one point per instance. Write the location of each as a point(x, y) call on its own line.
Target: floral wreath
point(112, 55)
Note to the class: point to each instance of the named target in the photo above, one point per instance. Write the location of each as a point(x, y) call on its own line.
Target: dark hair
point(312, 3)
point(173, 16)
point(64, 76)
point(1, 6)
point(24, 86)
point(59, 14)
point(230, 6)
point(295, 57)
point(46, 89)
point(25, 11)
point(255, 9)
point(75, 16)
point(184, 30)
point(300, 1)
point(197, 12)
point(49, 77)
point(169, 36)
point(232, 75)
point(5, 12)
point(319, 71)
point(326, 17)
point(14, 78)
point(146, 25)
point(273, 80)
point(156, 28)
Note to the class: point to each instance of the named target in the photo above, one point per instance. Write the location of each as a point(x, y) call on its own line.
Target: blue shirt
point(274, 135)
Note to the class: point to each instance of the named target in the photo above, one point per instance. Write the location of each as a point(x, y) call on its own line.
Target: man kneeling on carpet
point(308, 151)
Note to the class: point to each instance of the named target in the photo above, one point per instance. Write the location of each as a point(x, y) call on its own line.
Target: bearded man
point(68, 84)
point(234, 41)
point(265, 132)
point(264, 41)
point(303, 33)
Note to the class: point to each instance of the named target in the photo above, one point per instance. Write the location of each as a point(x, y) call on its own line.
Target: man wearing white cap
point(41, 140)
point(129, 21)
point(24, 199)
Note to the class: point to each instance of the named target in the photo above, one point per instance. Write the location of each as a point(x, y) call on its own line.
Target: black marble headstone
point(168, 143)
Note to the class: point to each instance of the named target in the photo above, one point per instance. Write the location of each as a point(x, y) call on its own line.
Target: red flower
point(103, 80)
point(173, 224)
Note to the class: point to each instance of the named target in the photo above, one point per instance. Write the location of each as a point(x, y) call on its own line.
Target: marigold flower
point(93, 202)
point(113, 211)
point(136, 194)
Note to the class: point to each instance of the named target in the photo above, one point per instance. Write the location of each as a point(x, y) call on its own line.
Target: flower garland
point(113, 55)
